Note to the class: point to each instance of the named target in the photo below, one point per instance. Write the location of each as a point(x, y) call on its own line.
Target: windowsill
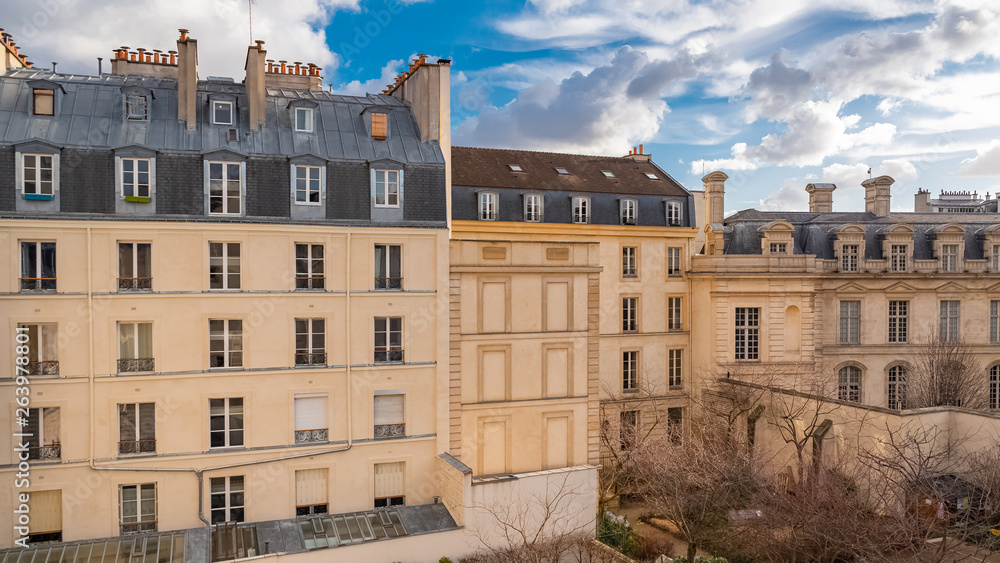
point(227, 368)
point(377, 206)
point(137, 199)
point(675, 388)
point(630, 391)
point(309, 204)
point(38, 197)
point(630, 276)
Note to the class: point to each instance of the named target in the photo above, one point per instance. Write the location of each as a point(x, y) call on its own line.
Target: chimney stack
point(921, 202)
point(187, 80)
point(715, 197)
point(877, 195)
point(821, 197)
point(256, 91)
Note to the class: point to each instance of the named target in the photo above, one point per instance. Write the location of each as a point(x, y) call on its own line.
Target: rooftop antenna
point(250, 9)
point(869, 173)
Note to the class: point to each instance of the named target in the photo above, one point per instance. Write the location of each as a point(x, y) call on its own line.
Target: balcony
point(136, 365)
point(309, 436)
point(42, 453)
point(388, 356)
point(38, 284)
point(384, 431)
point(135, 284)
point(310, 282)
point(45, 367)
point(310, 358)
point(137, 447)
point(138, 528)
point(388, 283)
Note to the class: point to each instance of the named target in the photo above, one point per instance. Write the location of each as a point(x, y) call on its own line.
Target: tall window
point(43, 349)
point(310, 342)
point(388, 339)
point(304, 120)
point(390, 484)
point(627, 208)
point(850, 322)
point(387, 188)
point(630, 370)
point(747, 335)
point(222, 113)
point(533, 208)
point(136, 428)
point(225, 345)
point(897, 387)
point(136, 177)
point(389, 420)
point(136, 106)
point(227, 498)
point(224, 187)
point(949, 321)
point(629, 262)
point(135, 266)
point(630, 310)
point(995, 259)
point(311, 422)
point(898, 321)
point(849, 258)
point(43, 433)
point(388, 266)
point(135, 347)
point(581, 209)
point(949, 257)
point(308, 184)
point(673, 214)
point(225, 418)
point(628, 428)
point(994, 397)
point(487, 206)
point(849, 384)
point(898, 257)
point(138, 508)
point(674, 363)
point(380, 126)
point(994, 322)
point(38, 266)
point(778, 248)
point(38, 176)
point(674, 320)
point(224, 265)
point(673, 261)
point(675, 424)
point(309, 266)
point(44, 101)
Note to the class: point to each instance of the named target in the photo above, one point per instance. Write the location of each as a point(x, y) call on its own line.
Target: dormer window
point(849, 258)
point(562, 171)
point(627, 208)
point(44, 101)
point(949, 257)
point(304, 119)
point(487, 206)
point(779, 248)
point(136, 107)
point(899, 255)
point(533, 208)
point(380, 126)
point(608, 173)
point(673, 214)
point(222, 112)
point(581, 209)
point(515, 168)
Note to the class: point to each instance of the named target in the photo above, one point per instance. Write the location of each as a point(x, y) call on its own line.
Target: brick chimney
point(821, 197)
point(187, 80)
point(922, 203)
point(144, 62)
point(299, 75)
point(256, 92)
point(12, 57)
point(877, 195)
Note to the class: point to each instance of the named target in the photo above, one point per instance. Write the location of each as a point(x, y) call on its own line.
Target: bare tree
point(945, 373)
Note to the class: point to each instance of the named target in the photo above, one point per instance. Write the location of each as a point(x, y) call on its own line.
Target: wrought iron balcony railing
point(136, 365)
point(310, 358)
point(137, 447)
point(38, 284)
point(390, 431)
point(135, 284)
point(307, 436)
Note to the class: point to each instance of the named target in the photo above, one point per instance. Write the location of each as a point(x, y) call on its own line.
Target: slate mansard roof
point(814, 233)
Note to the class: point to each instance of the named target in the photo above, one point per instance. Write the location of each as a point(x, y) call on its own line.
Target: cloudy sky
point(776, 93)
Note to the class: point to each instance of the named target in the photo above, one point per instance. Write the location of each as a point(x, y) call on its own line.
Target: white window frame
point(674, 214)
point(386, 267)
point(36, 275)
point(849, 257)
point(137, 424)
point(899, 257)
point(135, 116)
point(849, 384)
point(949, 320)
point(310, 329)
point(123, 327)
point(22, 184)
point(675, 368)
point(39, 348)
point(45, 439)
point(387, 184)
point(628, 212)
point(305, 276)
point(231, 329)
point(319, 178)
point(229, 434)
point(581, 210)
point(488, 206)
point(134, 268)
point(850, 322)
point(378, 414)
point(224, 272)
point(630, 370)
point(674, 261)
point(216, 105)
point(995, 259)
point(630, 314)
point(140, 519)
point(899, 317)
point(533, 211)
point(225, 197)
point(949, 257)
point(228, 490)
point(630, 262)
point(309, 115)
point(746, 341)
point(120, 176)
point(388, 348)
point(675, 319)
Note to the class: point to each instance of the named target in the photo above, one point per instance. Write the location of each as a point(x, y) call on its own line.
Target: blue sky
point(777, 94)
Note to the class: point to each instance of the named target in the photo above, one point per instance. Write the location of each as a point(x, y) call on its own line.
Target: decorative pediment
point(900, 287)
point(302, 103)
point(899, 229)
point(777, 226)
point(951, 287)
point(850, 228)
point(994, 287)
point(308, 158)
point(379, 108)
point(949, 229)
point(223, 154)
point(852, 287)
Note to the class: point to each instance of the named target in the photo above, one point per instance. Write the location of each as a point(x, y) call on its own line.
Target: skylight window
point(652, 176)
point(562, 171)
point(515, 168)
point(608, 173)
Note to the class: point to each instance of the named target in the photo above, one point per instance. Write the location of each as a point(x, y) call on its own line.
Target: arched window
point(995, 387)
point(897, 387)
point(849, 384)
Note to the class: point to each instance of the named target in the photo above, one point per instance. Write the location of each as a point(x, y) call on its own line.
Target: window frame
point(308, 191)
point(533, 213)
point(135, 364)
point(390, 282)
point(488, 206)
point(630, 262)
point(135, 116)
point(675, 368)
point(230, 435)
point(674, 214)
point(306, 277)
point(43, 92)
point(630, 314)
point(383, 121)
point(746, 338)
point(898, 329)
point(850, 257)
point(675, 313)
point(778, 248)
point(899, 258)
point(312, 354)
point(228, 494)
point(215, 106)
point(994, 321)
point(993, 397)
point(38, 193)
point(387, 184)
point(233, 357)
point(310, 116)
point(223, 263)
point(628, 211)
point(391, 355)
point(630, 371)
point(580, 203)
point(140, 525)
point(628, 428)
point(38, 282)
point(674, 262)
point(224, 198)
point(896, 387)
point(42, 349)
point(850, 322)
point(949, 320)
point(849, 383)
point(949, 257)
point(138, 194)
point(391, 430)
point(44, 445)
point(135, 282)
point(137, 424)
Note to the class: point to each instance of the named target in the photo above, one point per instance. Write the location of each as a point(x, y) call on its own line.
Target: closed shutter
point(389, 479)
point(147, 421)
point(46, 511)
point(126, 423)
point(310, 412)
point(310, 487)
point(33, 440)
point(388, 409)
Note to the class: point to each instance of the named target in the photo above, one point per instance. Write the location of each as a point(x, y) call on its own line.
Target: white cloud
point(791, 196)
point(985, 163)
point(375, 85)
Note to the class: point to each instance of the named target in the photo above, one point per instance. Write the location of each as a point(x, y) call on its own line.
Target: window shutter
point(380, 261)
point(46, 511)
point(310, 412)
point(33, 417)
point(126, 423)
point(50, 426)
point(126, 346)
point(310, 487)
point(394, 261)
point(388, 409)
point(145, 340)
point(147, 421)
point(388, 479)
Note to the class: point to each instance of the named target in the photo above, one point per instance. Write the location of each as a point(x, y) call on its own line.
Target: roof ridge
point(541, 152)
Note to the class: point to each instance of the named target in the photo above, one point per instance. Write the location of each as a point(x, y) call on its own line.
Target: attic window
point(44, 99)
point(304, 119)
point(562, 171)
point(652, 176)
point(515, 168)
point(380, 126)
point(608, 173)
point(222, 113)
point(135, 104)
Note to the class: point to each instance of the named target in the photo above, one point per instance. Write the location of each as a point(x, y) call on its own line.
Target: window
point(224, 188)
point(225, 343)
point(43, 433)
point(389, 421)
point(310, 342)
point(849, 384)
point(628, 428)
point(608, 173)
point(515, 168)
point(995, 259)
point(309, 266)
point(675, 424)
point(898, 325)
point(136, 177)
point(380, 126)
point(43, 340)
point(949, 257)
point(135, 347)
point(387, 188)
point(849, 258)
point(388, 268)
point(488, 206)
point(138, 508)
point(674, 380)
point(898, 258)
point(311, 492)
point(897, 387)
point(994, 396)
point(310, 419)
point(222, 113)
point(747, 333)
point(630, 370)
point(562, 171)
point(44, 101)
point(533, 208)
point(38, 176)
point(627, 210)
point(674, 314)
point(136, 428)
point(630, 309)
point(304, 120)
point(225, 422)
point(38, 266)
point(135, 265)
point(652, 176)
point(673, 261)
point(224, 265)
point(779, 248)
point(388, 339)
point(135, 106)
point(673, 214)
point(308, 184)
point(850, 322)
point(389, 484)
point(227, 499)
point(46, 520)
point(994, 322)
point(629, 262)
point(949, 321)
point(581, 210)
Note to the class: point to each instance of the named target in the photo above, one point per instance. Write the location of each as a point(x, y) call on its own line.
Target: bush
point(702, 560)
point(444, 560)
point(615, 531)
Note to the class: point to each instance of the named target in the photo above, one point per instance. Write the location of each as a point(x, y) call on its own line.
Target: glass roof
point(153, 548)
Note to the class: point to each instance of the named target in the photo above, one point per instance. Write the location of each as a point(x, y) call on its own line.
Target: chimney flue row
point(8, 41)
point(294, 69)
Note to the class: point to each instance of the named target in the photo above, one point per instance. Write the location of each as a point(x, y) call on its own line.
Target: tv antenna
point(250, 9)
